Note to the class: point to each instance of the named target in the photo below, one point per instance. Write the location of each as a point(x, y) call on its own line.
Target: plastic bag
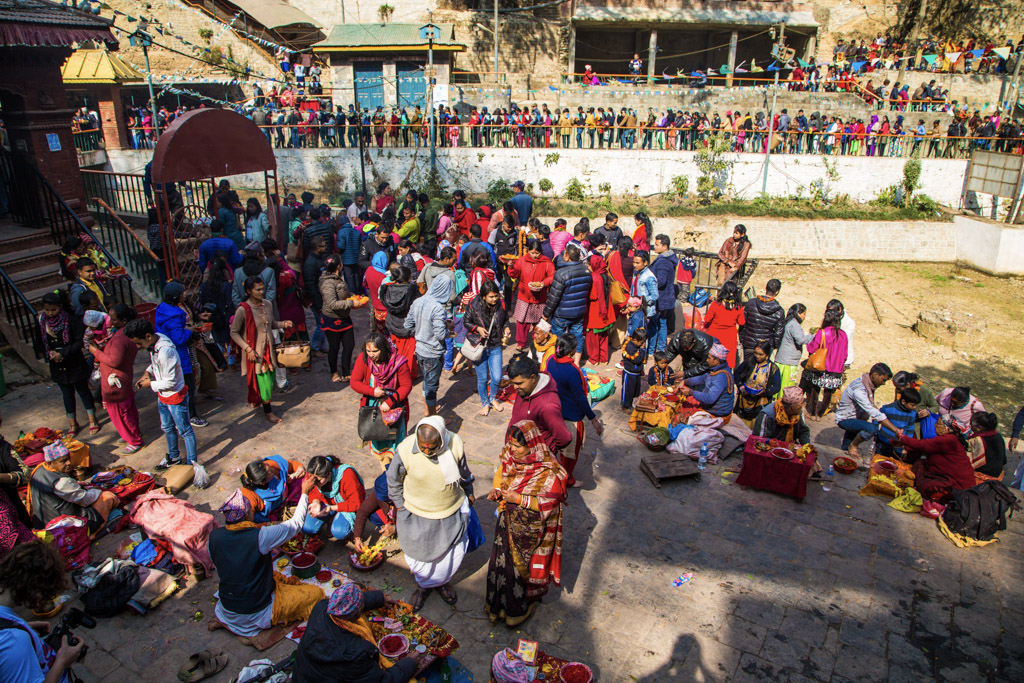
point(200, 479)
point(475, 531)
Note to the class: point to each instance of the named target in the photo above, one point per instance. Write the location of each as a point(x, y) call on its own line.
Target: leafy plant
point(924, 204)
point(545, 185)
point(911, 179)
point(498, 191)
point(605, 189)
point(206, 34)
point(681, 186)
point(385, 12)
point(714, 169)
point(332, 181)
point(552, 158)
point(216, 56)
point(433, 185)
point(574, 190)
point(888, 196)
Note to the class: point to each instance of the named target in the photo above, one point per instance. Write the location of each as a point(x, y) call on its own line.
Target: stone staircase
point(30, 259)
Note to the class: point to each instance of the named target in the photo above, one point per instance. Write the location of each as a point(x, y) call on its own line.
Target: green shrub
point(552, 158)
point(545, 185)
point(574, 190)
point(681, 186)
point(499, 191)
point(911, 178)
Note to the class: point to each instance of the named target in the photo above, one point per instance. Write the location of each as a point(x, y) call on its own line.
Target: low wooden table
point(763, 471)
point(668, 466)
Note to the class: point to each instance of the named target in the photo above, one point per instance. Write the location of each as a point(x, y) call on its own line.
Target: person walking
point(117, 361)
point(62, 333)
point(428, 320)
point(485, 324)
point(383, 378)
point(335, 318)
point(251, 331)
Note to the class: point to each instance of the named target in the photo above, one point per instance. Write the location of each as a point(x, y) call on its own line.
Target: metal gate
point(369, 84)
point(412, 84)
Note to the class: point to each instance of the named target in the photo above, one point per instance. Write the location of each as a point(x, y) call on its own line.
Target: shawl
point(360, 627)
point(253, 397)
point(380, 262)
point(385, 375)
point(56, 327)
point(599, 290)
point(615, 269)
point(869, 388)
point(787, 422)
point(733, 255)
point(445, 459)
point(757, 381)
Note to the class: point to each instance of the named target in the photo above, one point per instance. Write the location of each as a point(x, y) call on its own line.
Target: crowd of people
point(446, 290)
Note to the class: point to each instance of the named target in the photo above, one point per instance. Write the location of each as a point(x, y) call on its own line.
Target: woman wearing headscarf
point(382, 377)
point(600, 312)
point(783, 419)
point(530, 488)
point(945, 467)
point(535, 272)
point(432, 487)
point(757, 382)
point(62, 333)
point(117, 362)
point(339, 646)
point(251, 331)
point(372, 281)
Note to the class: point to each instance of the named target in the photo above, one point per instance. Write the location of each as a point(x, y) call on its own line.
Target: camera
point(72, 619)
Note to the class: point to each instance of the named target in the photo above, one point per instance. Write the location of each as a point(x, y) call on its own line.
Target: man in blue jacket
point(568, 298)
point(218, 245)
point(714, 390)
point(171, 322)
point(348, 241)
point(664, 268)
point(522, 202)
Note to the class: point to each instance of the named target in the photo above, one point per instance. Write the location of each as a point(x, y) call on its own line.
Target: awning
point(700, 14)
point(386, 37)
point(98, 66)
point(274, 13)
point(38, 23)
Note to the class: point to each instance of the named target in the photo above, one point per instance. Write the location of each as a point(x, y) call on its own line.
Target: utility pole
point(781, 46)
point(362, 162)
point(430, 33)
point(912, 39)
point(495, 39)
point(141, 37)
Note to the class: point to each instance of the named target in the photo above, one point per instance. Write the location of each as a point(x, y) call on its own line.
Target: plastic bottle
point(702, 462)
point(830, 474)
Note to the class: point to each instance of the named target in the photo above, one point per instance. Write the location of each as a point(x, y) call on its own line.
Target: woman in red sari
point(620, 268)
point(600, 312)
point(946, 466)
point(464, 217)
point(724, 318)
point(529, 487)
point(382, 376)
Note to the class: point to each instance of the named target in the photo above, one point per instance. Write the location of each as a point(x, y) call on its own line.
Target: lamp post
point(430, 33)
point(142, 38)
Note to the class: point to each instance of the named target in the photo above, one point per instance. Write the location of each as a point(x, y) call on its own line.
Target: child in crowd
point(634, 356)
point(902, 413)
point(97, 328)
point(660, 374)
point(687, 269)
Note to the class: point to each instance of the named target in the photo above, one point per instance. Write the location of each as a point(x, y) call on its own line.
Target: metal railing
point(129, 194)
point(20, 314)
point(87, 140)
point(144, 265)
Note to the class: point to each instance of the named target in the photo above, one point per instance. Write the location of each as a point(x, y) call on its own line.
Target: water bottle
point(702, 462)
point(830, 473)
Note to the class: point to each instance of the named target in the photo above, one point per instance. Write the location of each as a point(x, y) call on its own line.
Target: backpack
point(112, 592)
point(980, 511)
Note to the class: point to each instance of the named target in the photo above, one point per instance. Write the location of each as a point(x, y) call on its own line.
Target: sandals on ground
point(203, 665)
point(448, 594)
point(419, 597)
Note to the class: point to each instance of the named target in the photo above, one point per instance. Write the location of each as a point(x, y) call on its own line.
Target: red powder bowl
point(575, 672)
point(393, 645)
point(324, 575)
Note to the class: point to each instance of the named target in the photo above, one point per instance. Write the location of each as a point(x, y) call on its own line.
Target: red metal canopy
point(211, 143)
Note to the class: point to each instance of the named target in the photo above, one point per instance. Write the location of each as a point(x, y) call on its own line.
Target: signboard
point(995, 173)
point(53, 140)
point(440, 95)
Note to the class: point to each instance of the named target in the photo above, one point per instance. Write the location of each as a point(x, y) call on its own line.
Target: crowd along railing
point(87, 140)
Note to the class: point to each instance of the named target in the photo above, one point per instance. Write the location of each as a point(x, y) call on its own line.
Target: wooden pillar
point(733, 40)
point(652, 51)
point(112, 120)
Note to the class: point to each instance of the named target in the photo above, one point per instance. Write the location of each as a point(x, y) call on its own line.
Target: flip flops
point(203, 665)
point(417, 605)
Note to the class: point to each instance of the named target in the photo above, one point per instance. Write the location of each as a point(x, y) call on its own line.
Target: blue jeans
point(661, 339)
point(340, 525)
point(174, 420)
point(560, 326)
point(851, 428)
point(449, 353)
point(431, 370)
point(488, 368)
point(318, 340)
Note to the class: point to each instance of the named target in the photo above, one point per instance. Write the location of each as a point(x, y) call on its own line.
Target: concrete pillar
point(390, 84)
point(571, 66)
point(652, 51)
point(112, 120)
point(812, 46)
point(733, 40)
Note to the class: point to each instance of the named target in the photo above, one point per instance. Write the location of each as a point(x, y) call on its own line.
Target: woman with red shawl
point(945, 467)
point(620, 268)
point(251, 331)
point(464, 217)
point(535, 272)
point(529, 487)
point(383, 378)
point(289, 303)
point(385, 197)
point(600, 312)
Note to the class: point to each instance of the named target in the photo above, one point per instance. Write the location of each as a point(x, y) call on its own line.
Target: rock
point(962, 331)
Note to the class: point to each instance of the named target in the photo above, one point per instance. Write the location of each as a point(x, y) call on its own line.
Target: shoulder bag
point(475, 352)
point(371, 425)
point(816, 361)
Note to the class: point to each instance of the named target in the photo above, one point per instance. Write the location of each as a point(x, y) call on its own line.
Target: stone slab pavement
point(837, 588)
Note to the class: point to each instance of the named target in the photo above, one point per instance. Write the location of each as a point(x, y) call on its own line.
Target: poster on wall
point(53, 140)
point(440, 95)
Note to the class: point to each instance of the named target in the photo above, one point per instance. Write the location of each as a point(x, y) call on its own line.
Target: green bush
point(499, 191)
point(911, 178)
point(681, 186)
point(574, 190)
point(545, 185)
point(552, 158)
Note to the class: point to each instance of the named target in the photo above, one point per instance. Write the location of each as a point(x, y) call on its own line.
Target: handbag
point(372, 427)
point(617, 294)
point(293, 355)
point(475, 352)
point(816, 361)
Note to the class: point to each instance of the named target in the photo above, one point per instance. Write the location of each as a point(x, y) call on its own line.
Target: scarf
point(380, 262)
point(598, 291)
point(253, 397)
point(385, 375)
point(868, 387)
point(445, 459)
point(57, 327)
point(360, 627)
point(787, 422)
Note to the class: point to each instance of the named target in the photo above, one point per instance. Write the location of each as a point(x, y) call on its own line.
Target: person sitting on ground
point(252, 597)
point(31, 575)
point(857, 407)
point(783, 418)
point(660, 374)
point(376, 508)
point(758, 380)
point(693, 347)
point(53, 492)
point(714, 390)
point(945, 467)
point(988, 450)
point(339, 646)
point(269, 484)
point(903, 379)
point(338, 494)
point(960, 404)
point(904, 414)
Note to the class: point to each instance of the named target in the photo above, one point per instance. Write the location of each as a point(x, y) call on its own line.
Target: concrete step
point(16, 240)
point(40, 276)
point(27, 258)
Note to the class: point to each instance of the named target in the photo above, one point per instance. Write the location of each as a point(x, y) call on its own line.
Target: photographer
point(30, 576)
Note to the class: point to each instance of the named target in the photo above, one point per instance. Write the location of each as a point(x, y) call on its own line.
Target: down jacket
point(334, 296)
point(664, 268)
point(764, 318)
point(569, 294)
point(695, 360)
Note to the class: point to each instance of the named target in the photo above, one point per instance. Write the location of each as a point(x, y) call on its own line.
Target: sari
point(527, 552)
point(385, 376)
point(259, 377)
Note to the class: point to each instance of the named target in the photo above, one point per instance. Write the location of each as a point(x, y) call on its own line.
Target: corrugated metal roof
point(716, 13)
point(44, 12)
point(98, 66)
point(386, 35)
point(274, 13)
point(38, 23)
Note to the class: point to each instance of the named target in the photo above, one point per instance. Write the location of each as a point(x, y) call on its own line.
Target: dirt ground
point(990, 360)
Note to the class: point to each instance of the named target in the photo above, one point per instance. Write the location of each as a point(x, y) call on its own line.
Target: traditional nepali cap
point(507, 667)
point(235, 508)
point(346, 600)
point(792, 395)
point(719, 351)
point(55, 451)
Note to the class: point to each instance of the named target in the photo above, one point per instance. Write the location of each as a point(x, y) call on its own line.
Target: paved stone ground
point(839, 588)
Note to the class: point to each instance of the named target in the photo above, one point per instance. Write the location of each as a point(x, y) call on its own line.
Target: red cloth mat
point(767, 473)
